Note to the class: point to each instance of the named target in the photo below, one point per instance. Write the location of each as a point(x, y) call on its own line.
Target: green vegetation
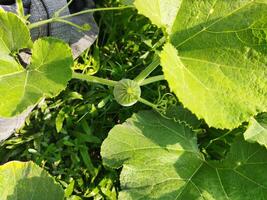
point(206, 140)
point(64, 134)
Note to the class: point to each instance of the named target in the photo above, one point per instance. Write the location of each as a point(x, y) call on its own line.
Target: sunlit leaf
point(47, 74)
point(215, 60)
point(25, 181)
point(160, 160)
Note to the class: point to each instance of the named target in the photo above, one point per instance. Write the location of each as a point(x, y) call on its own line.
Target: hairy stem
point(152, 80)
point(57, 18)
point(145, 73)
point(57, 13)
point(154, 106)
point(20, 9)
point(93, 79)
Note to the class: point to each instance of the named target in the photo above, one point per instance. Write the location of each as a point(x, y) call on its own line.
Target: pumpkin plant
point(214, 59)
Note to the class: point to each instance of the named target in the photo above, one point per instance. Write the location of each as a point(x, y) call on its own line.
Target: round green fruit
point(127, 92)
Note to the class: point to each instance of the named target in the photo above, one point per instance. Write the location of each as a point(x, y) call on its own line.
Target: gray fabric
point(9, 8)
point(45, 9)
point(78, 40)
point(8, 126)
point(81, 40)
point(37, 13)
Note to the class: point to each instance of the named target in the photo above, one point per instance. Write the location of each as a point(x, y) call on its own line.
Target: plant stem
point(145, 73)
point(152, 80)
point(218, 138)
point(93, 79)
point(54, 19)
point(159, 43)
point(20, 9)
point(57, 13)
point(154, 106)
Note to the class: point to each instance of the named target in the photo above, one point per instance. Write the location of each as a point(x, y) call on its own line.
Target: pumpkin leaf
point(215, 59)
point(24, 181)
point(14, 34)
point(47, 74)
point(160, 160)
point(161, 12)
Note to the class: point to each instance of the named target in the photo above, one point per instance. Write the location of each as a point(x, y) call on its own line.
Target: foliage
point(46, 75)
point(27, 181)
point(219, 60)
point(81, 116)
point(213, 56)
point(214, 61)
point(161, 160)
point(63, 136)
point(160, 12)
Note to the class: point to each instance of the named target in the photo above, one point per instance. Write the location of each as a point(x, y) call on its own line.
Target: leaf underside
point(161, 160)
point(257, 130)
point(26, 181)
point(47, 74)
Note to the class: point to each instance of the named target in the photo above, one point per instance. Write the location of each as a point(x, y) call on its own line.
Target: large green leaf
point(215, 61)
point(25, 181)
point(160, 12)
point(46, 75)
point(257, 130)
point(161, 160)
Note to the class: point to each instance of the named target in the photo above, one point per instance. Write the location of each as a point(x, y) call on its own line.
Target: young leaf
point(215, 61)
point(161, 12)
point(46, 75)
point(161, 160)
point(26, 181)
point(14, 35)
point(257, 130)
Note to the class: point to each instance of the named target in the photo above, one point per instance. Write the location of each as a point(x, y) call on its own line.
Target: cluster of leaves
point(63, 135)
point(59, 137)
point(214, 60)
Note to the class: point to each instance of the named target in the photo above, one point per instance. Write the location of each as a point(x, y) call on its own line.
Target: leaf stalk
point(152, 80)
point(145, 73)
point(93, 79)
point(63, 18)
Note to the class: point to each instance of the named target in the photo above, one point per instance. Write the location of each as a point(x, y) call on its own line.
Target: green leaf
point(216, 60)
point(257, 130)
point(160, 160)
point(161, 12)
point(26, 181)
point(61, 116)
point(47, 74)
point(14, 35)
